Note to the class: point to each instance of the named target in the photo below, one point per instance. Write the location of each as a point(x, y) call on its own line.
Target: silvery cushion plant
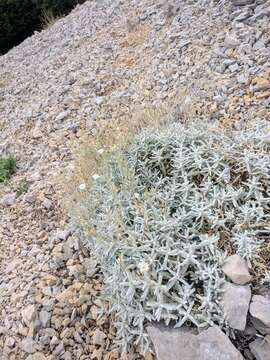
point(162, 216)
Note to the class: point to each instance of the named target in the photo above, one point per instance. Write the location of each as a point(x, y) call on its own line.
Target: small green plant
point(7, 168)
point(22, 187)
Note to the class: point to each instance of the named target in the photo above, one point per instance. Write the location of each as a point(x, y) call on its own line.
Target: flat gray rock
point(182, 344)
point(260, 348)
point(173, 344)
point(260, 311)
point(235, 303)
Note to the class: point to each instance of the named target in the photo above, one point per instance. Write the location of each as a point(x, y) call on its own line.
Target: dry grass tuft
point(48, 19)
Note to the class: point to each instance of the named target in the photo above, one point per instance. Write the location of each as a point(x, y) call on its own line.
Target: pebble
point(8, 200)
point(28, 345)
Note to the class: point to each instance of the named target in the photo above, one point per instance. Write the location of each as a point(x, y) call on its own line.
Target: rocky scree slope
point(105, 60)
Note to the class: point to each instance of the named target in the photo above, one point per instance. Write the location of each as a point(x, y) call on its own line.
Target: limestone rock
point(236, 269)
point(29, 314)
point(173, 344)
point(260, 348)
point(8, 199)
point(260, 311)
point(182, 344)
point(28, 345)
point(214, 344)
point(98, 337)
point(235, 302)
point(45, 317)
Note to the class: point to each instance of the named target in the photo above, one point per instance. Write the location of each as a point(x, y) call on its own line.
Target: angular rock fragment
point(260, 348)
point(98, 337)
point(260, 312)
point(28, 345)
point(29, 314)
point(182, 344)
point(236, 269)
point(172, 344)
point(213, 344)
point(45, 317)
point(235, 303)
point(8, 199)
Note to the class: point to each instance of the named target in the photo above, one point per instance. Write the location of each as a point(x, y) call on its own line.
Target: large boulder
point(183, 344)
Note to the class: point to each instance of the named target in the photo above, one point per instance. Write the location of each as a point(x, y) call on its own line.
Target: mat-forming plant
point(162, 216)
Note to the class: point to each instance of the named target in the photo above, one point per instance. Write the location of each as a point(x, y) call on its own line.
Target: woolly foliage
point(162, 216)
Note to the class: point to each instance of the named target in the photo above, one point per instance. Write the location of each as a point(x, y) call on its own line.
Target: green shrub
point(7, 168)
point(162, 215)
point(20, 18)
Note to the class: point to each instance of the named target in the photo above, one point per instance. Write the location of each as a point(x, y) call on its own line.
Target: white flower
point(143, 267)
point(95, 177)
point(82, 187)
point(100, 151)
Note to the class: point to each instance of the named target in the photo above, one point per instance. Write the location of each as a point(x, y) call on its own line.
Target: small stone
point(260, 348)
point(67, 296)
point(236, 269)
point(98, 337)
point(260, 311)
point(28, 345)
point(37, 133)
point(59, 350)
point(8, 199)
point(45, 317)
point(54, 342)
point(235, 303)
point(10, 342)
point(30, 198)
point(38, 356)
point(47, 204)
point(230, 42)
point(76, 270)
point(259, 45)
point(63, 235)
point(60, 117)
point(261, 84)
point(29, 314)
point(234, 67)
